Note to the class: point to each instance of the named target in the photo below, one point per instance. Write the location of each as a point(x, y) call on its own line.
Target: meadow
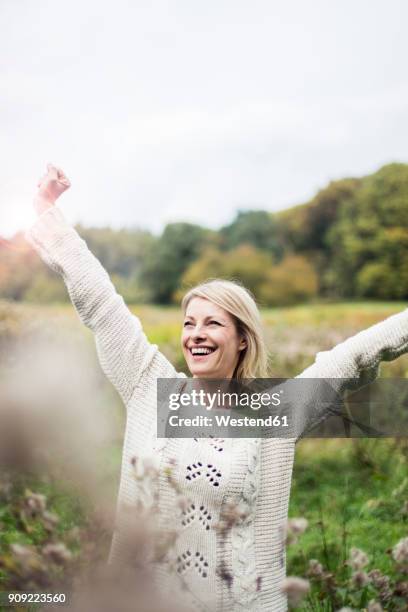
point(352, 493)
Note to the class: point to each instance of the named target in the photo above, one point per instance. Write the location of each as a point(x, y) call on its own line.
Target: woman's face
point(210, 341)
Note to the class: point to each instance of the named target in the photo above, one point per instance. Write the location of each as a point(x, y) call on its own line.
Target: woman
point(239, 568)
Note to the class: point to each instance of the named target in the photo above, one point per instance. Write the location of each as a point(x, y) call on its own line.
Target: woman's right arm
point(123, 349)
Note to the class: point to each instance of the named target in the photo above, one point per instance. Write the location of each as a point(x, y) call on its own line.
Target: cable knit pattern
point(235, 571)
point(243, 535)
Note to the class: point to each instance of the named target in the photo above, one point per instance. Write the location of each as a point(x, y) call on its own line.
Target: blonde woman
point(240, 569)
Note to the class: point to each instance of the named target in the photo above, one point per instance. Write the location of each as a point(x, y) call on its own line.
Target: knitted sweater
point(241, 569)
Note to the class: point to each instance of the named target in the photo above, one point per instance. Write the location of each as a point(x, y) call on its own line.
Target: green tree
point(255, 227)
point(121, 252)
point(245, 264)
point(274, 284)
point(292, 281)
point(304, 228)
point(169, 257)
point(369, 241)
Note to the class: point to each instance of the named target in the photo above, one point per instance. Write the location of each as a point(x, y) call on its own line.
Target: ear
point(242, 344)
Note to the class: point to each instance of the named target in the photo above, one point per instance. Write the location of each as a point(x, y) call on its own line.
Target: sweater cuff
point(48, 229)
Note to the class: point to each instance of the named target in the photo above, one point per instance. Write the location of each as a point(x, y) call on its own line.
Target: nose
point(198, 333)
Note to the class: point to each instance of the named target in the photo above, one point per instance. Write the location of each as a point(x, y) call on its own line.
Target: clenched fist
point(50, 187)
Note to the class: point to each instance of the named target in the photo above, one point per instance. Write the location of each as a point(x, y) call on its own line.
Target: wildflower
point(385, 594)
point(74, 534)
point(58, 553)
point(378, 579)
point(295, 588)
point(151, 466)
point(358, 559)
point(25, 555)
point(50, 521)
point(297, 525)
point(35, 503)
point(401, 589)
point(315, 569)
point(21, 552)
point(400, 551)
point(294, 528)
point(360, 579)
point(144, 467)
point(230, 515)
point(374, 606)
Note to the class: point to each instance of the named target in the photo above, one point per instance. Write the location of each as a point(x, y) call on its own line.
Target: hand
point(50, 187)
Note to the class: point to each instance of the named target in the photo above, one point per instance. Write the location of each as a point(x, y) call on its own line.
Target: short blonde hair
point(240, 304)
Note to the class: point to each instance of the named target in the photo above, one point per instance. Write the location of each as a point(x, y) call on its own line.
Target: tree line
point(349, 241)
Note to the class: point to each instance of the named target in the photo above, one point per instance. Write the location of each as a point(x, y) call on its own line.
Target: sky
point(163, 111)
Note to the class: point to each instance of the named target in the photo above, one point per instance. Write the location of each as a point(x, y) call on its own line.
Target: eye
point(215, 323)
point(187, 323)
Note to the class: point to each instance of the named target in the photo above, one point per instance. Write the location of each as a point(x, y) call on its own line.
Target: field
point(353, 493)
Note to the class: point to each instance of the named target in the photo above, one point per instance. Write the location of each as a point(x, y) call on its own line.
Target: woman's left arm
point(354, 363)
point(359, 357)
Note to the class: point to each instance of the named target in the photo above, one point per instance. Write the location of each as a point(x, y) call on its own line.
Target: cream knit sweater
point(243, 570)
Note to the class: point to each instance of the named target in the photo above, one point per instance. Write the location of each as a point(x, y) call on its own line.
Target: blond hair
point(240, 304)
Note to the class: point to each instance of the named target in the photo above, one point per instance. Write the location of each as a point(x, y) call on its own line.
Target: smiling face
point(210, 340)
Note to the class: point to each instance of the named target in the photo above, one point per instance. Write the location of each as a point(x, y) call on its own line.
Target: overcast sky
point(185, 110)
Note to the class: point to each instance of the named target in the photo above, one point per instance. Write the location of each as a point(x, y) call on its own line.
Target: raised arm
point(123, 349)
point(355, 362)
point(358, 358)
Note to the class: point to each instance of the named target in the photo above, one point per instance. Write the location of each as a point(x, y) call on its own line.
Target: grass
point(354, 486)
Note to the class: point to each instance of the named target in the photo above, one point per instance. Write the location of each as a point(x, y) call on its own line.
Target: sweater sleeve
point(355, 362)
point(123, 349)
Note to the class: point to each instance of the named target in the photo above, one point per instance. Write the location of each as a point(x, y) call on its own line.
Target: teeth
point(201, 351)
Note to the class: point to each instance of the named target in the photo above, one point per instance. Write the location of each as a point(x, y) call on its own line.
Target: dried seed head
point(297, 525)
point(58, 553)
point(374, 606)
point(385, 594)
point(359, 579)
point(315, 569)
point(231, 514)
point(35, 503)
point(295, 588)
point(378, 579)
point(400, 552)
point(294, 528)
point(21, 552)
point(401, 589)
point(50, 521)
point(25, 556)
point(358, 559)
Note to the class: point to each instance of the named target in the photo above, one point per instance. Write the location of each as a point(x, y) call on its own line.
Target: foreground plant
point(352, 586)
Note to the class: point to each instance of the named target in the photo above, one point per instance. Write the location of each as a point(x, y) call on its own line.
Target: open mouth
point(201, 351)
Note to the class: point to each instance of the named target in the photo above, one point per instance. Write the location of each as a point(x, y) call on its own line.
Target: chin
point(202, 373)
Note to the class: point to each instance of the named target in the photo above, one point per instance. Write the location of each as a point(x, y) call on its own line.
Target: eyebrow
point(208, 317)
